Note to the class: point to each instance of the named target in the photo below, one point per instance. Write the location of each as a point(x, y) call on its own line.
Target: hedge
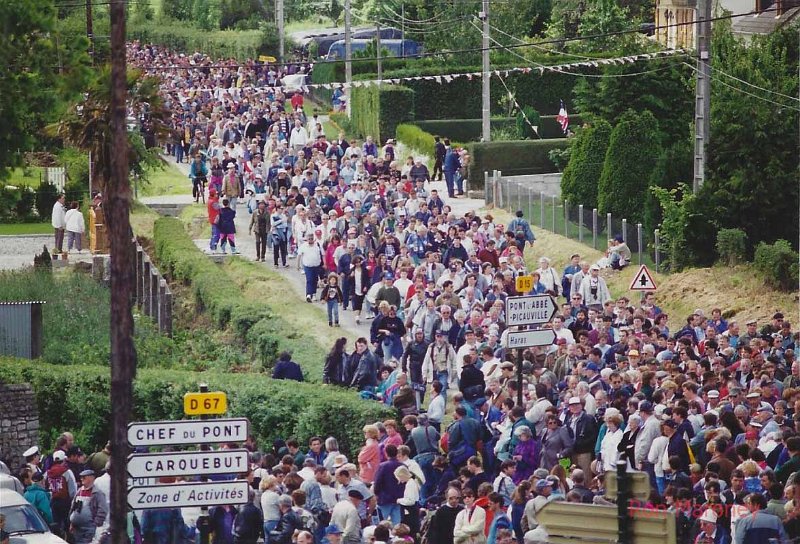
point(469, 130)
point(178, 36)
point(418, 140)
point(376, 111)
point(260, 324)
point(778, 263)
point(512, 158)
point(77, 400)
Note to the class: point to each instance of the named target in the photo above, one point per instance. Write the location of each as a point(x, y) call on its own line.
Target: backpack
point(57, 483)
point(307, 520)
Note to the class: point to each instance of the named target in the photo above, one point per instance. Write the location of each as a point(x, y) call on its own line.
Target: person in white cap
point(593, 289)
point(60, 482)
point(710, 532)
point(33, 457)
point(584, 429)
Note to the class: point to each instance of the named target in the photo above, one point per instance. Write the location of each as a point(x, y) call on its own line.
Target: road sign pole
point(623, 498)
point(518, 360)
point(204, 521)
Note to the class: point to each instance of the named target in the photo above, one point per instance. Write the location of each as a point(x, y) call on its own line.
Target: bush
point(526, 120)
point(376, 111)
point(45, 198)
point(778, 263)
point(628, 166)
point(732, 246)
point(585, 166)
point(77, 399)
point(16, 203)
point(512, 158)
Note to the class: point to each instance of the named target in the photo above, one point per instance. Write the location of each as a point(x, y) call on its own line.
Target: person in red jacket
point(213, 207)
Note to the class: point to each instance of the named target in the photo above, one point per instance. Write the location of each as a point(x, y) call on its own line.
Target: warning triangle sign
point(643, 280)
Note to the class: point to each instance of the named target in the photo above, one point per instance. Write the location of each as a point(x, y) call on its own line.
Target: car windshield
point(23, 518)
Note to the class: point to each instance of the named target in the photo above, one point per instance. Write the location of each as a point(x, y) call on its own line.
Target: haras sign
point(530, 310)
point(188, 495)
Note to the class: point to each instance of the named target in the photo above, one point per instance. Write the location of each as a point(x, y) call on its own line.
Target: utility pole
point(117, 204)
point(90, 29)
point(348, 56)
point(702, 100)
point(486, 91)
point(378, 51)
point(279, 20)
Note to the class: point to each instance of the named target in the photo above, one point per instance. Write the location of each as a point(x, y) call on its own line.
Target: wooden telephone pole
point(117, 204)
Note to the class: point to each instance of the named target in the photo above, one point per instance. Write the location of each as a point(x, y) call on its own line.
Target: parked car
point(23, 522)
point(10, 482)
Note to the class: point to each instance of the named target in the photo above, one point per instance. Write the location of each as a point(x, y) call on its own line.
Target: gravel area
point(18, 251)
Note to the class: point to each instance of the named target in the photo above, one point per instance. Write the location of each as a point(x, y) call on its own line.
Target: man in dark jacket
point(472, 383)
point(464, 434)
point(387, 488)
point(365, 365)
point(439, 152)
point(286, 369)
point(411, 363)
point(583, 429)
point(444, 520)
point(248, 523)
point(288, 523)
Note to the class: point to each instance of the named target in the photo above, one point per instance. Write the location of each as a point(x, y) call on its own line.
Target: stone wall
point(19, 423)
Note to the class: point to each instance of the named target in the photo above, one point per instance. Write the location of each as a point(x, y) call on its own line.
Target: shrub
point(45, 198)
point(512, 158)
point(526, 120)
point(585, 166)
point(376, 111)
point(732, 246)
point(778, 263)
point(469, 130)
point(78, 399)
point(628, 166)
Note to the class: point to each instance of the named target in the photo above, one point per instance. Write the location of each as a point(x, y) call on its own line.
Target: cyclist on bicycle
point(198, 172)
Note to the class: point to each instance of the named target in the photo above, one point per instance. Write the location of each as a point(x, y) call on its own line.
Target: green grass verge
point(17, 229)
point(168, 180)
point(31, 176)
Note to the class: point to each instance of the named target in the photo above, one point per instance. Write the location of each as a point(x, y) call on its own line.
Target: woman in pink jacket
point(369, 456)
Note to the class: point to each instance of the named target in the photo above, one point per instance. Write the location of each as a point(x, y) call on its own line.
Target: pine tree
point(582, 174)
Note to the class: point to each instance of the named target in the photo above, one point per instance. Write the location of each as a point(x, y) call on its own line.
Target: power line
point(733, 87)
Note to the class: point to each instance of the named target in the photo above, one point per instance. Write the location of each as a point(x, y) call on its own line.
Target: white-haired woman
point(609, 454)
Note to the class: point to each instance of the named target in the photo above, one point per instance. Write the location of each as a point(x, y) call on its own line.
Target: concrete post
point(146, 265)
point(594, 228)
point(154, 293)
point(139, 266)
point(580, 223)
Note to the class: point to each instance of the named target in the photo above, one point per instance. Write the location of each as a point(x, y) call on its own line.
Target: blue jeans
point(425, 461)
point(392, 347)
point(214, 238)
point(390, 511)
point(178, 152)
point(346, 292)
point(311, 279)
point(268, 527)
point(333, 311)
point(449, 178)
point(442, 377)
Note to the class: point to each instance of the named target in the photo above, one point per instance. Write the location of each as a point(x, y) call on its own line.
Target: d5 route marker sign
point(188, 495)
point(530, 310)
point(205, 404)
point(529, 339)
point(643, 280)
point(200, 463)
point(175, 433)
point(524, 284)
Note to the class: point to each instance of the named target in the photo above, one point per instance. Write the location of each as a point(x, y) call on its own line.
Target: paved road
point(18, 251)
point(246, 244)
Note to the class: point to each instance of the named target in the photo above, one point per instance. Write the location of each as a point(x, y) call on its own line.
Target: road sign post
point(529, 339)
point(530, 310)
point(643, 280)
point(180, 463)
point(524, 284)
point(205, 403)
point(176, 433)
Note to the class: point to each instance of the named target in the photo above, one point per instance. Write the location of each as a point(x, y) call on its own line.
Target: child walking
point(332, 296)
point(227, 226)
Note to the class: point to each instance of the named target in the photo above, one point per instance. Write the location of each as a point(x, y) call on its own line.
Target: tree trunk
point(117, 201)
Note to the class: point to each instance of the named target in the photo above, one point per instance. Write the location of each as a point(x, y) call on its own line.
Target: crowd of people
point(708, 411)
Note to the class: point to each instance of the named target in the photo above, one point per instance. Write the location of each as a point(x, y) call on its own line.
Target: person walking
point(260, 225)
point(227, 227)
point(88, 511)
point(331, 295)
point(309, 256)
point(75, 226)
point(279, 236)
point(59, 222)
point(213, 206)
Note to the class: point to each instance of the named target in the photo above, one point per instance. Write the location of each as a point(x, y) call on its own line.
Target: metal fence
point(574, 221)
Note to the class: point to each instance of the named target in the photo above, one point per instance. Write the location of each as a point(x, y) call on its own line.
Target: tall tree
point(628, 166)
point(36, 74)
point(582, 174)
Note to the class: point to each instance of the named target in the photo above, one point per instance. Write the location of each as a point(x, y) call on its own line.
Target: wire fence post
point(639, 240)
point(625, 231)
point(486, 196)
point(519, 196)
point(554, 213)
point(609, 230)
point(657, 245)
point(541, 207)
point(566, 218)
point(580, 223)
point(594, 228)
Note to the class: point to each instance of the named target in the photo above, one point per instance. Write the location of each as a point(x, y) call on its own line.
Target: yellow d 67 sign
point(524, 284)
point(205, 404)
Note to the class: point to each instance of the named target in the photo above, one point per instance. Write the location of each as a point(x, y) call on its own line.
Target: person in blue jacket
point(286, 369)
point(451, 167)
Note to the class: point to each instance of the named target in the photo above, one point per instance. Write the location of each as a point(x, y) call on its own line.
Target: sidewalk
point(246, 245)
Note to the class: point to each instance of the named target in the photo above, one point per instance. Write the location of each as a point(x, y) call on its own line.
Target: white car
point(23, 522)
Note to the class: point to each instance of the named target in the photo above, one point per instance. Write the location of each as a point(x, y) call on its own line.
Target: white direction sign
point(181, 463)
point(529, 339)
point(187, 495)
point(530, 310)
point(175, 433)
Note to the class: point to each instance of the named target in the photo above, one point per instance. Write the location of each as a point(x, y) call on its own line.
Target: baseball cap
point(542, 484)
point(332, 530)
point(574, 400)
point(87, 472)
point(713, 394)
point(439, 332)
point(633, 353)
point(592, 367)
point(59, 456)
point(646, 406)
point(355, 494)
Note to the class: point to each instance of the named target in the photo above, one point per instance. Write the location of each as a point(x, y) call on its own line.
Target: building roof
point(764, 22)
